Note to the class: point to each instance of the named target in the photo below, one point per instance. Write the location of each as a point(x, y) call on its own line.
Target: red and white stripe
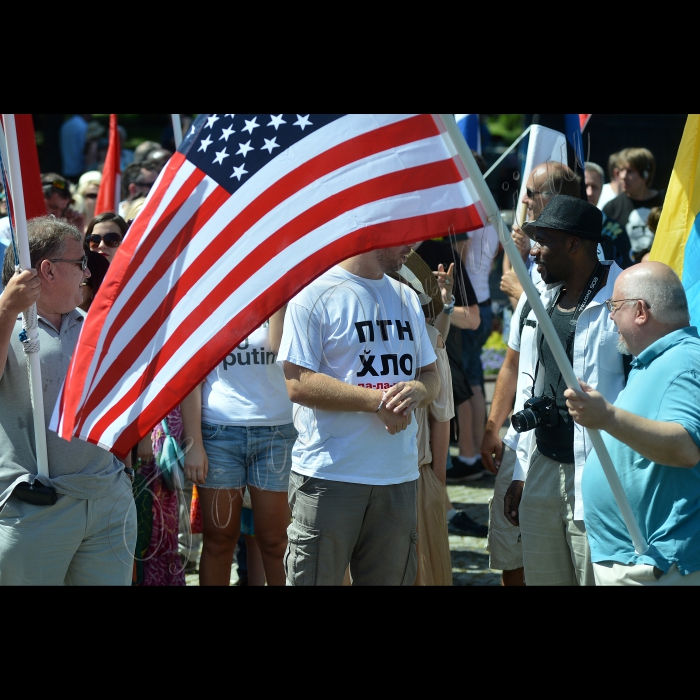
point(201, 269)
point(34, 204)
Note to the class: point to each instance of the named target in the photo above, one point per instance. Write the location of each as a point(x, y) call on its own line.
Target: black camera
point(539, 410)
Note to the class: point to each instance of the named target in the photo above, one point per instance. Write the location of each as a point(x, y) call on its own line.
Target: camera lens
point(524, 420)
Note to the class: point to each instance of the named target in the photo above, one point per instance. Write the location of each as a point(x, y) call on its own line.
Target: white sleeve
point(298, 337)
point(522, 455)
point(514, 337)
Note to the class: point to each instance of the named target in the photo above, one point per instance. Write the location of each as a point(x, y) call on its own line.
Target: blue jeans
point(473, 342)
point(259, 456)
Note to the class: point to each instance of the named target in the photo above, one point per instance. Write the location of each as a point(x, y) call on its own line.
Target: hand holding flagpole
point(30, 316)
point(546, 325)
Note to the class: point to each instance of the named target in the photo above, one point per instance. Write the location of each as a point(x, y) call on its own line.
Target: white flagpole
point(30, 317)
point(177, 129)
point(507, 151)
point(546, 324)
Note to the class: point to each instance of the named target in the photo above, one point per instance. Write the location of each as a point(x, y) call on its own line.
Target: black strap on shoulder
point(523, 318)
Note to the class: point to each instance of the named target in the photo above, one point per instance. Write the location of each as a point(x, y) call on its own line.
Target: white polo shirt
point(596, 361)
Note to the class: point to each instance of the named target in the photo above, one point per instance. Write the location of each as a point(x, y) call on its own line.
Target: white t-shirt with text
point(247, 387)
point(362, 332)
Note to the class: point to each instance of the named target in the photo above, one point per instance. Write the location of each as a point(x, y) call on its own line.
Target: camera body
point(539, 410)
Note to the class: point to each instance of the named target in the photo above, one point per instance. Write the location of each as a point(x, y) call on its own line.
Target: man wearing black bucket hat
point(544, 498)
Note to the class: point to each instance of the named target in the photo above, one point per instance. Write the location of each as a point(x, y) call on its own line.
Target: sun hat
point(418, 275)
point(571, 215)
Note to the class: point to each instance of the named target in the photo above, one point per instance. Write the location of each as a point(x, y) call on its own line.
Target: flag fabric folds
point(34, 204)
point(108, 195)
point(677, 239)
point(248, 211)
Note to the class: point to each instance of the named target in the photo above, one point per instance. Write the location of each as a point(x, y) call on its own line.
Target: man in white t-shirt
point(357, 362)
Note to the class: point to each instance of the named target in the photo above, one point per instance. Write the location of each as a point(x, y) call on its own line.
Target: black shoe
point(461, 472)
point(462, 524)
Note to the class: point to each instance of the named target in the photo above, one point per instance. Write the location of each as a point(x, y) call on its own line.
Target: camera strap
point(595, 283)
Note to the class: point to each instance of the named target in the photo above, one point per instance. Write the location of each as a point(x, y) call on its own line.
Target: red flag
point(227, 236)
point(583, 120)
point(108, 195)
point(34, 204)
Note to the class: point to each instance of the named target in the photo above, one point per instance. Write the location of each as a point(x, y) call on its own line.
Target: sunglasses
point(83, 262)
point(531, 193)
point(57, 185)
point(112, 240)
point(91, 195)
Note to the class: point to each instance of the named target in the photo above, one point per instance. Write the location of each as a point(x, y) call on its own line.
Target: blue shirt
point(72, 136)
point(664, 385)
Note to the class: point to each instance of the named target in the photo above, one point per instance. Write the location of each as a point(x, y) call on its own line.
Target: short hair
point(54, 183)
point(561, 179)
point(640, 159)
point(142, 151)
point(47, 239)
point(653, 219)
point(613, 162)
point(664, 294)
point(595, 168)
point(107, 216)
point(132, 173)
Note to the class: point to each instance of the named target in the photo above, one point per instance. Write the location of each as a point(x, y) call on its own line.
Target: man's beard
point(621, 347)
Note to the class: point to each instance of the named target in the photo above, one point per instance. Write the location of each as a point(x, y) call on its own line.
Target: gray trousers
point(334, 523)
point(73, 542)
point(555, 546)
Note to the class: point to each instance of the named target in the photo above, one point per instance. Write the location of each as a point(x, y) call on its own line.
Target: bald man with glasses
point(80, 528)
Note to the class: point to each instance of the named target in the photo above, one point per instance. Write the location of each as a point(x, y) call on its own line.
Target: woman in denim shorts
point(240, 421)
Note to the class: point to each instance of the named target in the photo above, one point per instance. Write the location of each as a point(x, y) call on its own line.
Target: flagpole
point(177, 129)
point(507, 151)
point(546, 324)
point(30, 316)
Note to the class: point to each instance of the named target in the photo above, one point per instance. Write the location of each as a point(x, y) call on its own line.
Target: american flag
point(249, 210)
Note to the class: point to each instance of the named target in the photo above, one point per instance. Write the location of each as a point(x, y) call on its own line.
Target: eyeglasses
point(90, 195)
point(112, 240)
point(531, 193)
point(614, 304)
point(83, 262)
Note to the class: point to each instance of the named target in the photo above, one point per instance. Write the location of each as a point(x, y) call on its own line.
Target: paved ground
point(470, 561)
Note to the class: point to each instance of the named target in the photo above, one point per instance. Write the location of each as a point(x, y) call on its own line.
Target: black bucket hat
point(571, 215)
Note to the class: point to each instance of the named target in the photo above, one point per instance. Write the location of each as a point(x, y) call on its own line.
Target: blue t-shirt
point(664, 385)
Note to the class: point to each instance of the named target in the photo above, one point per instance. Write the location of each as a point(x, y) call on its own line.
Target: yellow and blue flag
point(677, 240)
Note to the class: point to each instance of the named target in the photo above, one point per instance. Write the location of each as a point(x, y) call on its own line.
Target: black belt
point(485, 303)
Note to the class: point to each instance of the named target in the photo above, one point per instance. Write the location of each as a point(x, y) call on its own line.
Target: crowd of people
point(319, 447)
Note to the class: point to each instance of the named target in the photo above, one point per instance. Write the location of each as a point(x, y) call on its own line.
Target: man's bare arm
point(407, 396)
point(662, 442)
point(501, 406)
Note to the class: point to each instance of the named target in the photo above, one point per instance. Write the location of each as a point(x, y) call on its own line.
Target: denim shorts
point(259, 456)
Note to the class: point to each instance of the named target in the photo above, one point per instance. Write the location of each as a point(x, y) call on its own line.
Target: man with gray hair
point(87, 535)
point(652, 432)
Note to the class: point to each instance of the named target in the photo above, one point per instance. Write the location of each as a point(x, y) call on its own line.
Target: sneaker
point(462, 524)
point(460, 472)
